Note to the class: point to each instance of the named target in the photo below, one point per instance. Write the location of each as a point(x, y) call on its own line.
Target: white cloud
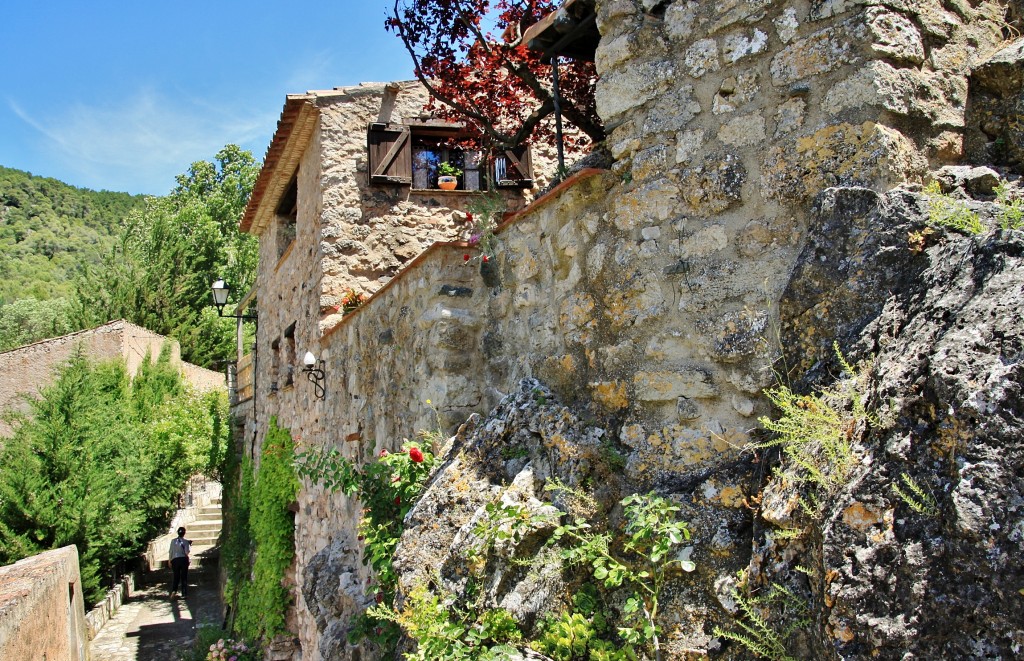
point(140, 143)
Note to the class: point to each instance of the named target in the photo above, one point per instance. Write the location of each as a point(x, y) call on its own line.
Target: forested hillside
point(72, 258)
point(48, 230)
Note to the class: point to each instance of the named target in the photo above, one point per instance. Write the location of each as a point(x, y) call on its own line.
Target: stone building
point(26, 370)
point(648, 297)
point(345, 200)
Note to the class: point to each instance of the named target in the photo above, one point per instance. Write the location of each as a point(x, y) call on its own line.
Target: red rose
point(465, 258)
point(398, 500)
point(485, 258)
point(469, 217)
point(416, 455)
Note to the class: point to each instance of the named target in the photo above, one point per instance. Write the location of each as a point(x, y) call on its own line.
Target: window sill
point(284, 255)
point(438, 191)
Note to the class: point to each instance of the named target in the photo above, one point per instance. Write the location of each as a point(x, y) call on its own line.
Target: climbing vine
point(260, 542)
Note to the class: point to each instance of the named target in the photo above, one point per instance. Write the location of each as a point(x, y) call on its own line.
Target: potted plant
point(447, 176)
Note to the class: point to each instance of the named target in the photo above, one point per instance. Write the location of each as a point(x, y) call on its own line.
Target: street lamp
point(314, 371)
point(220, 299)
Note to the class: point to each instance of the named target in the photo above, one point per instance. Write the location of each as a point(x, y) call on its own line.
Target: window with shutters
point(409, 153)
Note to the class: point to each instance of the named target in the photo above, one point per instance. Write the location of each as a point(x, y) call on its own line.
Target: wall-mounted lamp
point(314, 370)
point(220, 299)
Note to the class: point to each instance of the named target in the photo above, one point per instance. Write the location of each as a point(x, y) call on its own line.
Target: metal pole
point(558, 116)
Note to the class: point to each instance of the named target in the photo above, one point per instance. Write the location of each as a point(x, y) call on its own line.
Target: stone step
point(209, 517)
point(202, 526)
point(204, 540)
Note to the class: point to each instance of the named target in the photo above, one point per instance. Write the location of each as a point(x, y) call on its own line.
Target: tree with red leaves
point(494, 84)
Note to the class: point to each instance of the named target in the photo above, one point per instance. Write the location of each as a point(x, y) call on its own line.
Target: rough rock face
point(945, 335)
point(331, 587)
point(995, 117)
point(507, 458)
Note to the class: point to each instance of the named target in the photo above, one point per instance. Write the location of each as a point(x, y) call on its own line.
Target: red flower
point(416, 455)
point(485, 258)
point(398, 500)
point(383, 452)
point(469, 217)
point(465, 258)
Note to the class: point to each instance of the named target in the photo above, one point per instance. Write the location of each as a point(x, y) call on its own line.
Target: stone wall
point(647, 296)
point(41, 610)
point(26, 370)
point(348, 235)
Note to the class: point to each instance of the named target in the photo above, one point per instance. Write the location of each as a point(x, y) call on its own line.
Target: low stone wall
point(101, 613)
point(41, 609)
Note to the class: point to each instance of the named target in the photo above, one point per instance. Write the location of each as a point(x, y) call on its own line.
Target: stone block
point(702, 58)
point(735, 91)
point(821, 52)
point(839, 155)
point(938, 97)
point(711, 185)
point(894, 36)
point(622, 90)
point(743, 131)
point(739, 45)
point(668, 386)
point(786, 25)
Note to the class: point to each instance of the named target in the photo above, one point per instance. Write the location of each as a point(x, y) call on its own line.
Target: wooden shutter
point(389, 149)
point(518, 168)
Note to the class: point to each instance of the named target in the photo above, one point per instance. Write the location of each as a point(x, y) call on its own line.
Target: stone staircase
point(203, 525)
point(205, 533)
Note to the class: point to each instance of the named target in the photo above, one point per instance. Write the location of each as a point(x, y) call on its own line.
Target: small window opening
point(287, 216)
point(290, 356)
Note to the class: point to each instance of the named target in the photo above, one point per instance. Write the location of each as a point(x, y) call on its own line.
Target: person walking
point(179, 555)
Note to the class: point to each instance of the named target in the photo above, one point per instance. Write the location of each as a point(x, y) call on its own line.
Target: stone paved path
point(152, 627)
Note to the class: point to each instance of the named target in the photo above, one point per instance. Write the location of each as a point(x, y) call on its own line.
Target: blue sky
point(124, 95)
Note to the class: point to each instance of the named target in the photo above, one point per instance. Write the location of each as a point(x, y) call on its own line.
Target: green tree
point(27, 320)
point(158, 275)
point(99, 462)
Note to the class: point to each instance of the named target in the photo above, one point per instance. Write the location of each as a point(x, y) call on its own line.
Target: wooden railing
point(244, 377)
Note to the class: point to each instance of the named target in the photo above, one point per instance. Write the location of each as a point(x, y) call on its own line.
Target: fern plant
point(915, 497)
point(946, 211)
point(756, 632)
point(817, 431)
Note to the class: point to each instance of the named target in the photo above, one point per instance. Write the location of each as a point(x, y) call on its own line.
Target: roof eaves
point(294, 129)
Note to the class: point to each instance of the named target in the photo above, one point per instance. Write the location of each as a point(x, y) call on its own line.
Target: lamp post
point(220, 300)
point(314, 371)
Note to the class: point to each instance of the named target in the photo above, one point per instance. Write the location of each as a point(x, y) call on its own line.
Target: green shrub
point(756, 632)
point(1010, 214)
point(387, 488)
point(946, 211)
point(817, 431)
point(100, 462)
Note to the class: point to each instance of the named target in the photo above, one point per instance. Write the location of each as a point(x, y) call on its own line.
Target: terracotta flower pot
point(447, 183)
